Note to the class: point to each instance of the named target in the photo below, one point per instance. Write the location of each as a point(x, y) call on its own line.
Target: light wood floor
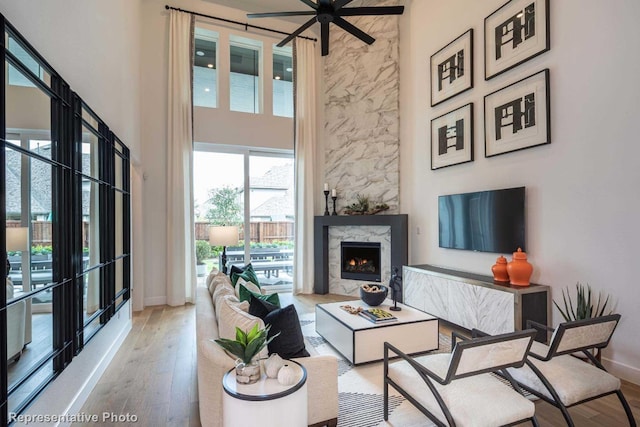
point(153, 375)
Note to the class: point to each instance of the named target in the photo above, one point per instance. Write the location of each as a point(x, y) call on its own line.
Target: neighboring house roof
point(278, 177)
point(279, 205)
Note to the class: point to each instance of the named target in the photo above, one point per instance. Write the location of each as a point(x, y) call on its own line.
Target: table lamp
point(17, 241)
point(226, 235)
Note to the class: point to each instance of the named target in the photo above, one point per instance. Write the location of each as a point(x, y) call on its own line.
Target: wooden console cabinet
point(475, 301)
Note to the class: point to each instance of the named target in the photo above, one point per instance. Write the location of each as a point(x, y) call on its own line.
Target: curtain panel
point(181, 260)
point(305, 98)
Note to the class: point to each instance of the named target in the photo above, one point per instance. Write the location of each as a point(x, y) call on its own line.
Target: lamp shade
point(223, 235)
point(17, 239)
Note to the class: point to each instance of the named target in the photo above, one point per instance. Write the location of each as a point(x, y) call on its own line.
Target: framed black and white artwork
point(515, 33)
point(452, 138)
point(518, 116)
point(452, 69)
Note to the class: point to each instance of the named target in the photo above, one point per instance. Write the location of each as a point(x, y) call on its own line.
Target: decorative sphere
point(373, 297)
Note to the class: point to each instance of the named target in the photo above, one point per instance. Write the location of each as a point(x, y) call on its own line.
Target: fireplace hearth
point(360, 261)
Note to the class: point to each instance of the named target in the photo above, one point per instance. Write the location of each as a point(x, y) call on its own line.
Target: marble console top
point(478, 279)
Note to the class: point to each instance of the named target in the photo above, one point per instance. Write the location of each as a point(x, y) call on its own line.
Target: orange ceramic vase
point(519, 269)
point(499, 270)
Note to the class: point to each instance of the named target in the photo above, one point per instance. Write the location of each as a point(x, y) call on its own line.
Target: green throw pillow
point(248, 275)
point(246, 295)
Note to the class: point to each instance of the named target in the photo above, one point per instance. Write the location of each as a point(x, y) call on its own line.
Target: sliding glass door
point(253, 190)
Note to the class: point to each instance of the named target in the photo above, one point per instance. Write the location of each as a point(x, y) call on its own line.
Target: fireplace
point(360, 261)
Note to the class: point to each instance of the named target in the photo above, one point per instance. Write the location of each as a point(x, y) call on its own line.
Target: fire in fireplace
point(360, 261)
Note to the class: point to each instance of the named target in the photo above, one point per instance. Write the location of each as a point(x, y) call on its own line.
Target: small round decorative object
point(272, 365)
point(372, 294)
point(287, 375)
point(519, 269)
point(499, 270)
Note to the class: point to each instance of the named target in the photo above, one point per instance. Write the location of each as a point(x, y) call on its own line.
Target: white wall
point(582, 197)
point(210, 125)
point(94, 46)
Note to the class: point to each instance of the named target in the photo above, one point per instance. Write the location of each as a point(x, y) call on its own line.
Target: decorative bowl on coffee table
point(373, 294)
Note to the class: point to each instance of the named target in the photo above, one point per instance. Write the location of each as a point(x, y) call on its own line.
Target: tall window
point(205, 70)
point(282, 81)
point(244, 81)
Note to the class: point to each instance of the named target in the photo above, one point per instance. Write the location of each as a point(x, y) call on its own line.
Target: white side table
point(266, 403)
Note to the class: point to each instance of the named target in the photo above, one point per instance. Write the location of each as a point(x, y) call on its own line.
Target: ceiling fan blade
point(362, 11)
point(295, 34)
point(324, 37)
point(324, 3)
point(278, 14)
point(347, 26)
point(310, 3)
point(339, 4)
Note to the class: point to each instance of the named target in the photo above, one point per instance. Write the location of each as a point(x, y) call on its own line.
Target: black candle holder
point(326, 202)
point(334, 198)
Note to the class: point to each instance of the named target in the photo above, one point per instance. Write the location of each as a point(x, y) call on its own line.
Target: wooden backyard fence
point(265, 232)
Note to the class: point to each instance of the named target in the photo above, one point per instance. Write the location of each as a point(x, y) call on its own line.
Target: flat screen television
point(485, 221)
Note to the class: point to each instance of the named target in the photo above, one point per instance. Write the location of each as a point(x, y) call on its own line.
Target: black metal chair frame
point(553, 352)
point(428, 376)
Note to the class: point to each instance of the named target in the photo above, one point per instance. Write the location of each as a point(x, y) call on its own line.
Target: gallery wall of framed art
point(516, 110)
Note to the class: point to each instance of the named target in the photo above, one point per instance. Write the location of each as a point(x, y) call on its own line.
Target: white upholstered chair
point(554, 374)
point(457, 388)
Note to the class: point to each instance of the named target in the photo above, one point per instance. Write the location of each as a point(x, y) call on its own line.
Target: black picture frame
point(518, 116)
point(458, 56)
point(526, 22)
point(456, 124)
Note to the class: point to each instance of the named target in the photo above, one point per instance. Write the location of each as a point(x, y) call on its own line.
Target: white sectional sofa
point(213, 362)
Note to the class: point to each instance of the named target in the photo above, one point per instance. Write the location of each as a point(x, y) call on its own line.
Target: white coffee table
point(266, 403)
point(361, 341)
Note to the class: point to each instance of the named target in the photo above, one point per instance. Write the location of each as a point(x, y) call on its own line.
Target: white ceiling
point(263, 5)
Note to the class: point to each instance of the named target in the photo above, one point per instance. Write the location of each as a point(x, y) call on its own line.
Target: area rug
point(360, 388)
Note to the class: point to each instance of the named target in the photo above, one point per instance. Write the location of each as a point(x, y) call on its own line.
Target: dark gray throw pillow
point(260, 307)
point(290, 343)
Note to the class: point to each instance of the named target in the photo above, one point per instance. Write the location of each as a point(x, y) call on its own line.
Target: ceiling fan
point(327, 11)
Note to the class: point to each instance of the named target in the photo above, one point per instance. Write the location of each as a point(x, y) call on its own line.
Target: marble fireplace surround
point(399, 250)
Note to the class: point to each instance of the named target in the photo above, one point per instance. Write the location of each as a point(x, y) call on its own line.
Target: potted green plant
point(203, 251)
point(583, 307)
point(246, 347)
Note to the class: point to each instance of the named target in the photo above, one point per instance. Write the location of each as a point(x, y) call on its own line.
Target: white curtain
point(180, 262)
point(305, 159)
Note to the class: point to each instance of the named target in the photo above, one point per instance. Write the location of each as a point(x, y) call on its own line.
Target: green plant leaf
point(253, 333)
point(241, 337)
point(231, 346)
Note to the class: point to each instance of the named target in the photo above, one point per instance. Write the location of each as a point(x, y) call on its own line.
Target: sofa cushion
point(236, 269)
point(248, 274)
point(246, 295)
point(290, 342)
point(218, 279)
point(232, 316)
point(220, 292)
point(260, 308)
point(249, 285)
point(210, 277)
